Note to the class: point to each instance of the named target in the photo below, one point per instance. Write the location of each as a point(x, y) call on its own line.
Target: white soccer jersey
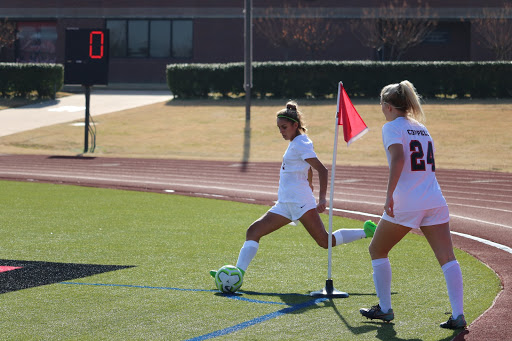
point(293, 181)
point(417, 188)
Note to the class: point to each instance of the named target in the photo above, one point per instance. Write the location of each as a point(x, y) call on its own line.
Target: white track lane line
point(480, 221)
point(481, 207)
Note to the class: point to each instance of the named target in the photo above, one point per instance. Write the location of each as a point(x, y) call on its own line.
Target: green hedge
point(18, 79)
point(361, 78)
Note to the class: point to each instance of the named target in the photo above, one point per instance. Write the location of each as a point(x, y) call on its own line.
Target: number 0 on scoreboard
point(86, 56)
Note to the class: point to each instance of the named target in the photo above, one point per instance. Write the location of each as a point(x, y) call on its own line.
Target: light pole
point(248, 58)
point(247, 80)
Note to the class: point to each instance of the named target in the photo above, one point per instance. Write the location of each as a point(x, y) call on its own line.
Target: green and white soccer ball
point(229, 279)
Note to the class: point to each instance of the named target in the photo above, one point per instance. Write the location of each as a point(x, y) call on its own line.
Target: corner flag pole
point(329, 290)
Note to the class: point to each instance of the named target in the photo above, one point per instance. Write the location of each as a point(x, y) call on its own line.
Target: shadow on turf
point(299, 303)
point(289, 299)
point(385, 330)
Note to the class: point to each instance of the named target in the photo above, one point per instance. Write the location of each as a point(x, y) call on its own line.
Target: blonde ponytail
point(403, 96)
point(412, 99)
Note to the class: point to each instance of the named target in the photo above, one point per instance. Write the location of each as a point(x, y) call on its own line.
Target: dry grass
point(468, 134)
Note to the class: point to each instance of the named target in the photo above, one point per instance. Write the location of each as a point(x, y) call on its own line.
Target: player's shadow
point(385, 330)
point(284, 298)
point(292, 303)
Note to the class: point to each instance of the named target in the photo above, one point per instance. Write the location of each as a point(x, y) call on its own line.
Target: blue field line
point(288, 310)
point(232, 296)
point(257, 320)
point(242, 298)
point(137, 286)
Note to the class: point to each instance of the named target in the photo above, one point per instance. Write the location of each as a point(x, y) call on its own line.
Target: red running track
point(480, 202)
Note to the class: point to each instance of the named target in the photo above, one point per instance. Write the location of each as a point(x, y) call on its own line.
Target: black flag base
point(329, 291)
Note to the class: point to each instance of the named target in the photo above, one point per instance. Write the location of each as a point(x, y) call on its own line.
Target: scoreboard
point(86, 56)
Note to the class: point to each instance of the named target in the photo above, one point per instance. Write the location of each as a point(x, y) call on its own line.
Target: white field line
point(485, 241)
point(481, 240)
point(357, 212)
point(478, 239)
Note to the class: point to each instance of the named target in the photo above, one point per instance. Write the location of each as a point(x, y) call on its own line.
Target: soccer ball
point(229, 279)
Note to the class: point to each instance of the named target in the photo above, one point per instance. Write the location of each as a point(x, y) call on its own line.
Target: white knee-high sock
point(453, 278)
point(247, 253)
point(382, 280)
point(348, 235)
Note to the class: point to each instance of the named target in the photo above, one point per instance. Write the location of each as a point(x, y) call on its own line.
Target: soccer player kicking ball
point(295, 194)
point(413, 200)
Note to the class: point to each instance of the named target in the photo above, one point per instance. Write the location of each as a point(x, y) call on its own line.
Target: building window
point(37, 42)
point(138, 43)
point(160, 38)
point(150, 38)
point(182, 39)
point(117, 33)
point(437, 37)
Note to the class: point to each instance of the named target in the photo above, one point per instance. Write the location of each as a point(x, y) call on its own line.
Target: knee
point(446, 258)
point(323, 243)
point(371, 252)
point(376, 253)
point(252, 232)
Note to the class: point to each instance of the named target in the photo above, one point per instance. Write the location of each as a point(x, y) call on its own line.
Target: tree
point(394, 28)
point(496, 30)
point(7, 34)
point(300, 26)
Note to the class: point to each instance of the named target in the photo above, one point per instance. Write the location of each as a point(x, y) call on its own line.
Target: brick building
point(145, 36)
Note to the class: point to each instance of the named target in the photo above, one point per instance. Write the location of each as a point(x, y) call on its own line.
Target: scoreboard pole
point(87, 59)
point(87, 115)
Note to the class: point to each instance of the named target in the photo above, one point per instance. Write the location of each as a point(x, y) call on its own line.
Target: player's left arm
point(310, 178)
point(396, 165)
point(322, 178)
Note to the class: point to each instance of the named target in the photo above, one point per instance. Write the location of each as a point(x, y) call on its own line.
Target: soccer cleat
point(214, 272)
point(369, 228)
point(458, 323)
point(376, 313)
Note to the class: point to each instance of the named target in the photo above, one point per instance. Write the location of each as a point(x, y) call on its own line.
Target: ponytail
point(403, 96)
point(413, 102)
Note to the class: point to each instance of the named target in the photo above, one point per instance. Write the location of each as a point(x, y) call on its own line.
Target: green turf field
point(172, 241)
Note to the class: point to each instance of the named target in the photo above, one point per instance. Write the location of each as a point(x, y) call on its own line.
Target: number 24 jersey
point(417, 188)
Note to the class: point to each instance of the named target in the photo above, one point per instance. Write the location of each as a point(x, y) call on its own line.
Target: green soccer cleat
point(369, 228)
point(376, 313)
point(458, 323)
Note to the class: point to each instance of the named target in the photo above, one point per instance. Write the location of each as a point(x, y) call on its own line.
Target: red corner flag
point(353, 125)
point(353, 128)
